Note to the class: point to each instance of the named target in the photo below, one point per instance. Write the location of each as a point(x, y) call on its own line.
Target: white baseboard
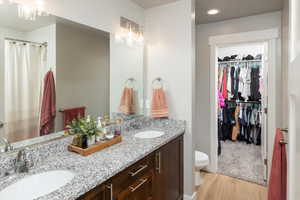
point(193, 197)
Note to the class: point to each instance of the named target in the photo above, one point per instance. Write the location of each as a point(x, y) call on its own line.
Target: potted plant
point(85, 126)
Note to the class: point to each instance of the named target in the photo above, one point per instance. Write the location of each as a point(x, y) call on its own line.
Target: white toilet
point(201, 161)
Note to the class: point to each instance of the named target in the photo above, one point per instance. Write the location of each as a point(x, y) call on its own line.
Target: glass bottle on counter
point(118, 127)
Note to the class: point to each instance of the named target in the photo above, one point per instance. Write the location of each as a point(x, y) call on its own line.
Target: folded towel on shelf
point(127, 102)
point(159, 104)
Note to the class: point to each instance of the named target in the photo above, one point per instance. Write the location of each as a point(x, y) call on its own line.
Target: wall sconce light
point(29, 12)
point(130, 32)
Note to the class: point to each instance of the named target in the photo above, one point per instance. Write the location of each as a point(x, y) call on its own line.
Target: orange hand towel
point(159, 104)
point(127, 103)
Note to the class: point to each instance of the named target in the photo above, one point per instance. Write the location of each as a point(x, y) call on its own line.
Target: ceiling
point(229, 9)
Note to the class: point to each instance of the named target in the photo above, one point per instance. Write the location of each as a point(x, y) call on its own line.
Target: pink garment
point(159, 104)
point(278, 177)
point(224, 85)
point(48, 109)
point(221, 100)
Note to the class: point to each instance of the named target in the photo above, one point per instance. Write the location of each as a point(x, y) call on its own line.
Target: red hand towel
point(73, 113)
point(278, 177)
point(159, 104)
point(127, 102)
point(48, 109)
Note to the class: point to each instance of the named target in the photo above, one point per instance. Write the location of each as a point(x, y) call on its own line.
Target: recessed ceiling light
point(213, 11)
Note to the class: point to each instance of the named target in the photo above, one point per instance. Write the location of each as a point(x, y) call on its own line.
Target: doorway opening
point(241, 118)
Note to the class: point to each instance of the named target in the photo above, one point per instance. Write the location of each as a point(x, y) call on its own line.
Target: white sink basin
point(38, 185)
point(149, 134)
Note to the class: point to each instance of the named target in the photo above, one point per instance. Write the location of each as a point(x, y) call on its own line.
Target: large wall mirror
point(52, 69)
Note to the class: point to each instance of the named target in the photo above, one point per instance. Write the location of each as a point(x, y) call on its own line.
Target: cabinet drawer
point(133, 173)
point(141, 189)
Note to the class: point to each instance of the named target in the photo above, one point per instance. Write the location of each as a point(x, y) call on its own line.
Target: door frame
point(269, 36)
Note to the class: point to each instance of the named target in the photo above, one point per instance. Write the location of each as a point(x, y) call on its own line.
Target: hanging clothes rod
point(250, 102)
point(25, 41)
point(239, 61)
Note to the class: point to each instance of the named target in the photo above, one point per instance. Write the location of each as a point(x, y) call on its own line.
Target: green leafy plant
point(84, 126)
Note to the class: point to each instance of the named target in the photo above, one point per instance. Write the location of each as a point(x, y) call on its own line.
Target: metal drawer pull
point(142, 167)
point(1, 124)
point(139, 185)
point(158, 162)
point(110, 187)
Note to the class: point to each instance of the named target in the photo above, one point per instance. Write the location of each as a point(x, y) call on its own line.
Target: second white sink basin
point(149, 134)
point(38, 185)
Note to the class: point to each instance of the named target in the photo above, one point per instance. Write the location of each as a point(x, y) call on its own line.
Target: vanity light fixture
point(130, 32)
point(29, 11)
point(213, 11)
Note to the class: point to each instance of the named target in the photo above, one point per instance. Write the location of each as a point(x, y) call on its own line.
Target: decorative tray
point(96, 147)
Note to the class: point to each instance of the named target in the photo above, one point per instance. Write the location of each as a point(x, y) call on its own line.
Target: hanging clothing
point(48, 110)
point(237, 83)
point(255, 94)
point(232, 80)
point(236, 128)
point(224, 85)
point(247, 86)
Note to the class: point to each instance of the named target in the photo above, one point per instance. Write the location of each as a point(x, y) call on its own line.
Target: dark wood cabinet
point(102, 192)
point(168, 181)
point(158, 176)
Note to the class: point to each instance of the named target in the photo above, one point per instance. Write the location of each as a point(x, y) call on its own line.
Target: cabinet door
point(140, 190)
point(102, 192)
point(168, 180)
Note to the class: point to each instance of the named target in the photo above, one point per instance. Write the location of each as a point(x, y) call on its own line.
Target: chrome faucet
point(22, 163)
point(7, 145)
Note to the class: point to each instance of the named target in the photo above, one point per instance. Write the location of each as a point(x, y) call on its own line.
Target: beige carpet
point(242, 161)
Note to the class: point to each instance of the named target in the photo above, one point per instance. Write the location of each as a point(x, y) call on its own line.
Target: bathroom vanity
point(142, 167)
point(158, 176)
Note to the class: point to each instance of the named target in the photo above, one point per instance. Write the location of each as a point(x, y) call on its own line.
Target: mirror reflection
point(54, 70)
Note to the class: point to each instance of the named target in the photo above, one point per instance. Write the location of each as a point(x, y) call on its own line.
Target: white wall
point(169, 50)
point(82, 75)
point(129, 64)
point(204, 31)
point(294, 101)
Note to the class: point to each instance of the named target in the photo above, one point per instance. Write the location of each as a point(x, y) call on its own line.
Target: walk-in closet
point(241, 111)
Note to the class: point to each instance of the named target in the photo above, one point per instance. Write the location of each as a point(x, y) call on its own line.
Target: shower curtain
point(23, 72)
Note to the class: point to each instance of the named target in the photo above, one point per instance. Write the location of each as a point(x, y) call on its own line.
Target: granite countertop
point(97, 168)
